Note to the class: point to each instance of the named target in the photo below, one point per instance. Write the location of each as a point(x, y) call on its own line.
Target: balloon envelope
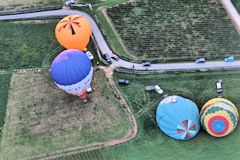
point(73, 32)
point(72, 71)
point(219, 117)
point(178, 117)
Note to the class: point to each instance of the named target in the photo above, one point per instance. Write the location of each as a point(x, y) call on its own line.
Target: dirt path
point(133, 131)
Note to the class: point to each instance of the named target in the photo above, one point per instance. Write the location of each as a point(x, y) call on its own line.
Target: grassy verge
point(106, 3)
point(42, 119)
point(110, 35)
point(237, 4)
point(150, 142)
point(4, 81)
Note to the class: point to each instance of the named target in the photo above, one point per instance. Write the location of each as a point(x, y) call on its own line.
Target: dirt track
point(133, 131)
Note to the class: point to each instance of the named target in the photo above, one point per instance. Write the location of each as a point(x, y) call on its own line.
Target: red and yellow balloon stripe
point(219, 117)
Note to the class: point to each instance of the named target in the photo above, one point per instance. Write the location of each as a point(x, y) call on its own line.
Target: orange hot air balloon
point(73, 32)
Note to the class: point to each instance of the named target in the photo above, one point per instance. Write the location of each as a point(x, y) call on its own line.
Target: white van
point(89, 54)
point(158, 89)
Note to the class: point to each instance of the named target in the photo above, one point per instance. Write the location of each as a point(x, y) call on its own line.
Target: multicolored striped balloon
point(219, 117)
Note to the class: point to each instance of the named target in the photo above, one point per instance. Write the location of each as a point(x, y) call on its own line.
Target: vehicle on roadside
point(219, 88)
point(146, 64)
point(158, 89)
point(107, 57)
point(68, 3)
point(229, 59)
point(115, 58)
point(89, 54)
point(200, 60)
point(149, 88)
point(123, 81)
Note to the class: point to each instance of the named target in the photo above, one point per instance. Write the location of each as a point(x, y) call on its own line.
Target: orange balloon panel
point(73, 32)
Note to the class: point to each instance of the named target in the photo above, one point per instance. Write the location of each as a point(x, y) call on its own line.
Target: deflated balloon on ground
point(178, 117)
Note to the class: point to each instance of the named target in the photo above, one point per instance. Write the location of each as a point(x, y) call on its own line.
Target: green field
point(41, 119)
point(5, 82)
point(27, 4)
point(25, 44)
point(90, 155)
point(151, 143)
point(30, 44)
point(174, 30)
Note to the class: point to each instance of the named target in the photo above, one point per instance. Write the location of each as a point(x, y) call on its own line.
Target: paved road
point(104, 48)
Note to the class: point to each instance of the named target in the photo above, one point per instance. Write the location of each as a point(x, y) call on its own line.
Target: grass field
point(30, 44)
point(89, 155)
point(42, 119)
point(29, 2)
point(25, 44)
point(162, 31)
point(23, 4)
point(5, 82)
point(151, 143)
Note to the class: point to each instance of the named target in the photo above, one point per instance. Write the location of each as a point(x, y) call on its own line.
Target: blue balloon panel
point(70, 67)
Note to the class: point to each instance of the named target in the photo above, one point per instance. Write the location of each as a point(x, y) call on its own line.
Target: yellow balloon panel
point(219, 117)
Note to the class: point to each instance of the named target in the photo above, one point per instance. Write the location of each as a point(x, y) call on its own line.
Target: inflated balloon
point(178, 117)
point(73, 32)
point(219, 117)
point(72, 71)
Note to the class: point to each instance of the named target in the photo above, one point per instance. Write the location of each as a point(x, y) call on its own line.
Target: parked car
point(219, 88)
point(69, 2)
point(89, 54)
point(146, 64)
point(123, 81)
point(229, 59)
point(149, 88)
point(115, 58)
point(158, 89)
point(107, 57)
point(200, 60)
